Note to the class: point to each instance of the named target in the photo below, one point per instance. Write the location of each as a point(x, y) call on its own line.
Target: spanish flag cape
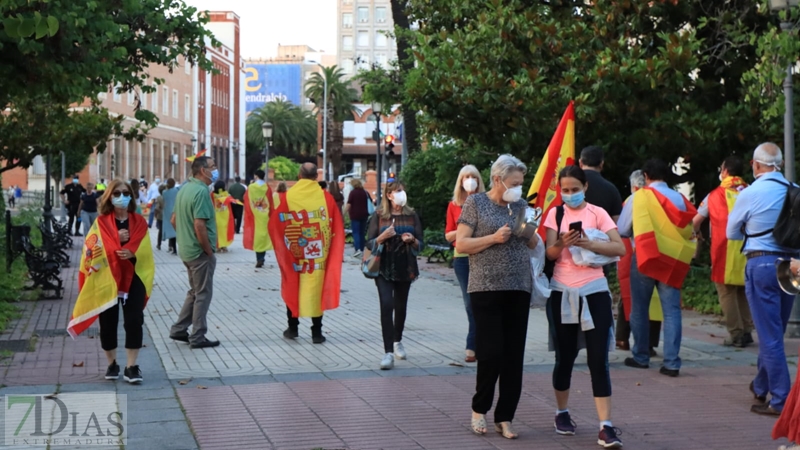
point(308, 227)
point(662, 234)
point(788, 424)
point(224, 215)
point(727, 260)
point(624, 275)
point(104, 277)
point(257, 208)
point(544, 192)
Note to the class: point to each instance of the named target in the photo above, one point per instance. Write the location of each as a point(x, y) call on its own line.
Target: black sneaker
point(564, 424)
point(747, 339)
point(318, 339)
point(259, 264)
point(765, 409)
point(290, 333)
point(761, 399)
point(669, 372)
point(133, 375)
point(630, 362)
point(112, 373)
point(608, 437)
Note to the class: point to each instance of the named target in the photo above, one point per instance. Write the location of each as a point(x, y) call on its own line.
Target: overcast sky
point(267, 23)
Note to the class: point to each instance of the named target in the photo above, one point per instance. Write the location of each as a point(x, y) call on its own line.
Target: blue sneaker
point(608, 437)
point(564, 424)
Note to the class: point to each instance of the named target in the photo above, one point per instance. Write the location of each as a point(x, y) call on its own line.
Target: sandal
point(479, 425)
point(505, 429)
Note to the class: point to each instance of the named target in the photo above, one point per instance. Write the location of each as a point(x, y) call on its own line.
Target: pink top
point(565, 271)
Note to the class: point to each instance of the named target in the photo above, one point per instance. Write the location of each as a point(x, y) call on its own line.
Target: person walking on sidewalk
point(469, 182)
point(358, 209)
point(168, 234)
point(579, 308)
point(727, 260)
point(396, 229)
point(237, 191)
point(500, 284)
point(72, 199)
point(159, 207)
point(197, 237)
point(308, 226)
point(88, 208)
point(116, 263)
point(753, 216)
point(660, 221)
point(223, 215)
point(258, 206)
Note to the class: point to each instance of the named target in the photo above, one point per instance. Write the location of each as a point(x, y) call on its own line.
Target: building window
point(363, 62)
point(187, 108)
point(130, 98)
point(347, 65)
point(103, 95)
point(175, 103)
point(347, 43)
point(363, 14)
point(380, 39)
point(187, 67)
point(382, 60)
point(347, 2)
point(165, 101)
point(143, 97)
point(347, 20)
point(363, 39)
point(380, 14)
point(117, 95)
point(155, 98)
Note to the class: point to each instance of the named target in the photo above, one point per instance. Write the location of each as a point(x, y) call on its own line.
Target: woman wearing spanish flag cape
point(224, 215)
point(116, 268)
point(257, 208)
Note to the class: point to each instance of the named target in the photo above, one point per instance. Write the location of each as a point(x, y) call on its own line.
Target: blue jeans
point(641, 291)
point(359, 228)
point(770, 307)
point(461, 267)
point(151, 217)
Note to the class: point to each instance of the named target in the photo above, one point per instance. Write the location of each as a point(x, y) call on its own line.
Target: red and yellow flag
point(104, 277)
point(560, 153)
point(224, 216)
point(308, 230)
point(257, 209)
point(727, 259)
point(624, 277)
point(199, 154)
point(662, 234)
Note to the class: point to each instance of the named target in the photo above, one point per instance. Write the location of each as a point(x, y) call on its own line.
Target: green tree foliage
point(294, 130)
point(59, 54)
point(285, 168)
point(649, 78)
point(341, 97)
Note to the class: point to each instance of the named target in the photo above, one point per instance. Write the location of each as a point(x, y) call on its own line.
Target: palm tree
point(294, 129)
point(341, 99)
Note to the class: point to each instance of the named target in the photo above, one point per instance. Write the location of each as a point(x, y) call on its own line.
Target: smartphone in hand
point(577, 226)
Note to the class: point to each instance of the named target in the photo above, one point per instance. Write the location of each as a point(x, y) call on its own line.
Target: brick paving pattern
point(260, 391)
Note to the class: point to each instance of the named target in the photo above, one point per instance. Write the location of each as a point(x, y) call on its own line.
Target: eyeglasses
point(118, 193)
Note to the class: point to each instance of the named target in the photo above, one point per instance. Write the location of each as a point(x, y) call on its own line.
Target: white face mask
point(513, 194)
point(469, 184)
point(260, 182)
point(400, 199)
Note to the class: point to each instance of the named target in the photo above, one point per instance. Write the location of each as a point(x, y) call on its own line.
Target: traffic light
point(389, 144)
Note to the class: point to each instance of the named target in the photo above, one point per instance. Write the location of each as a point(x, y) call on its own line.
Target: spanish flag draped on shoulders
point(224, 216)
point(662, 234)
point(104, 277)
point(727, 259)
point(624, 276)
point(308, 229)
point(257, 208)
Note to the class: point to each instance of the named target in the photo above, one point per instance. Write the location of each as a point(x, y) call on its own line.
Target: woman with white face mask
point(500, 284)
point(397, 227)
point(468, 182)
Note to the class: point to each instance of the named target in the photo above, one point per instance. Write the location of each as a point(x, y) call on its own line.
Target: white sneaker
point(387, 362)
point(399, 351)
point(357, 254)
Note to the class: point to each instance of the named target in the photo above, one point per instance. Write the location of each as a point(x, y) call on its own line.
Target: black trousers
point(133, 314)
point(624, 327)
point(393, 296)
point(159, 225)
point(73, 214)
point(237, 216)
point(597, 342)
point(501, 327)
point(316, 323)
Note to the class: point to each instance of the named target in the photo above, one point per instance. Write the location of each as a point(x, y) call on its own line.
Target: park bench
point(55, 242)
point(442, 250)
point(43, 271)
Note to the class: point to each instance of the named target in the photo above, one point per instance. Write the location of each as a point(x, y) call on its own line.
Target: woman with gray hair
point(499, 287)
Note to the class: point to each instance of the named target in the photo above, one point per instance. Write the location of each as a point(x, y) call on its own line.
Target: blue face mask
point(573, 200)
point(214, 175)
point(122, 201)
point(75, 180)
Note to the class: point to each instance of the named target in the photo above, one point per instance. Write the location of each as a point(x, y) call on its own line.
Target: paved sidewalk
point(259, 391)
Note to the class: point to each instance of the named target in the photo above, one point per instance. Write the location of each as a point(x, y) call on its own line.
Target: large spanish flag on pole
point(193, 157)
point(727, 259)
point(103, 276)
point(662, 234)
point(224, 216)
point(560, 153)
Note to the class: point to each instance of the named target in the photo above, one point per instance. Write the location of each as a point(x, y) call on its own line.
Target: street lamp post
point(47, 210)
point(376, 110)
point(776, 6)
point(266, 131)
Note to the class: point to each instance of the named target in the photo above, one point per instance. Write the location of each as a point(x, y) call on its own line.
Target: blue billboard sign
point(266, 83)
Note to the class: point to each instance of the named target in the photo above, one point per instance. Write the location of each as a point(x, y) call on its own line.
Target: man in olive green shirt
point(196, 228)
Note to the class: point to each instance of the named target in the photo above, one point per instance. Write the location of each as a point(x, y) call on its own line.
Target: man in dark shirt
point(237, 190)
point(71, 195)
point(600, 191)
point(88, 207)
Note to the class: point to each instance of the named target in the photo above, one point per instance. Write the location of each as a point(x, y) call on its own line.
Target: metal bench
point(43, 271)
point(441, 250)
